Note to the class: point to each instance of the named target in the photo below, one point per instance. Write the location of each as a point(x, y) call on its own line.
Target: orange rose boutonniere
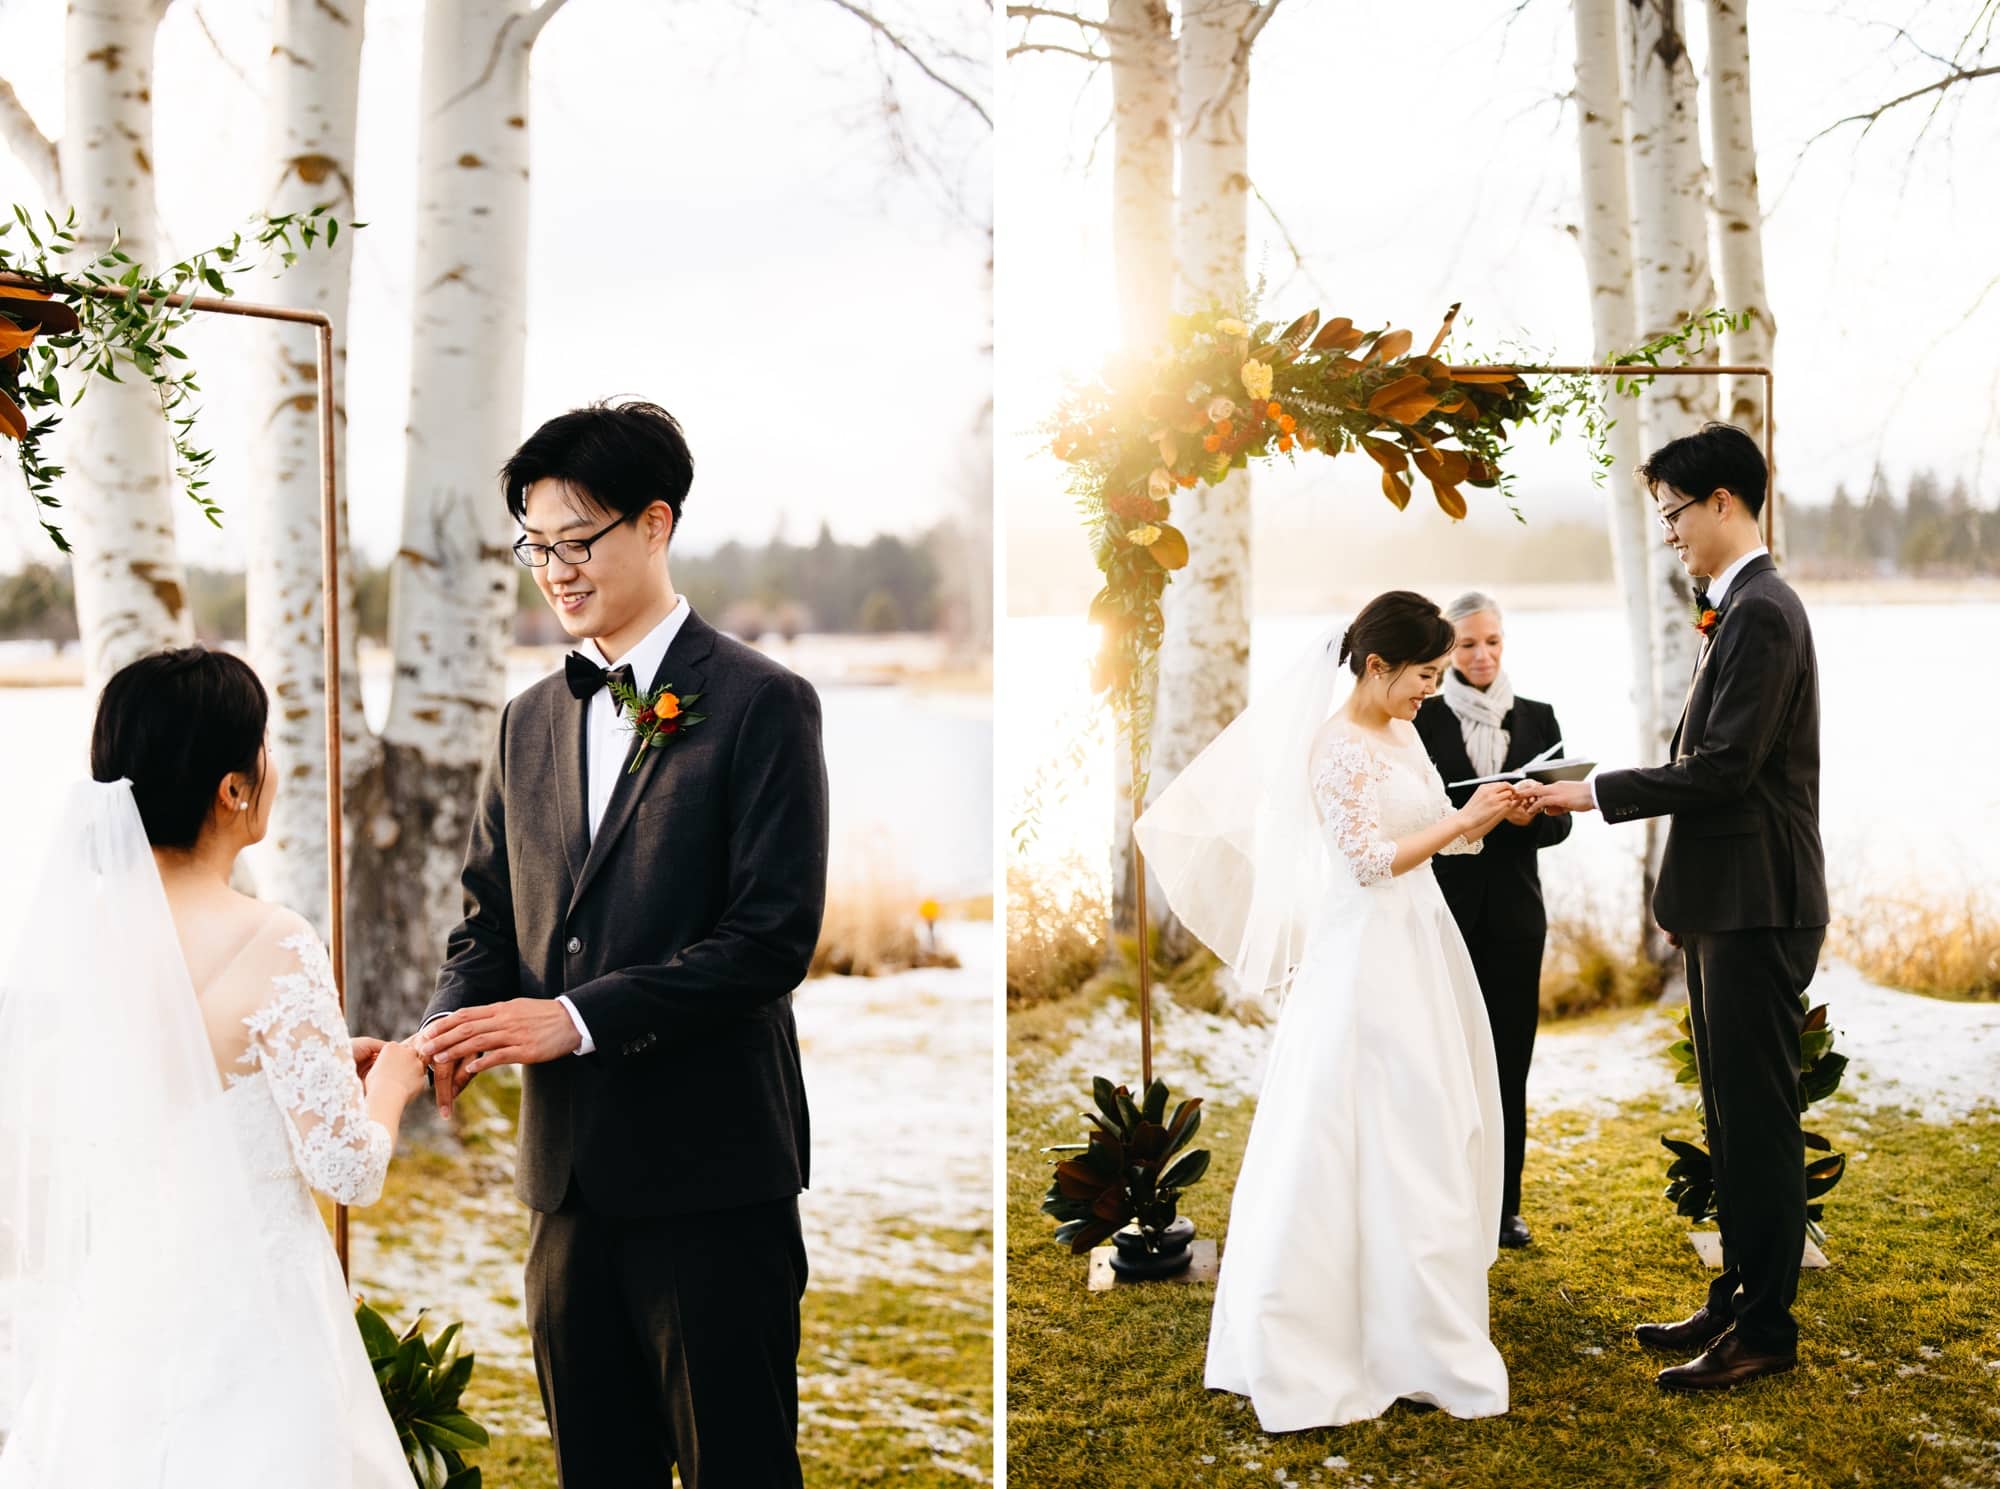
point(656, 717)
point(1705, 618)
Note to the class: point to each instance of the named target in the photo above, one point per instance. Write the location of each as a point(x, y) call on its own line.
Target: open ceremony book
point(1544, 768)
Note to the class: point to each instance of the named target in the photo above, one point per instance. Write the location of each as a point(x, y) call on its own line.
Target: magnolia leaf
point(1396, 488)
point(1443, 467)
point(1443, 330)
point(1449, 499)
point(1483, 377)
point(1391, 346)
point(1170, 549)
point(1405, 400)
point(1294, 335)
point(1339, 335)
point(1388, 456)
point(15, 338)
point(13, 423)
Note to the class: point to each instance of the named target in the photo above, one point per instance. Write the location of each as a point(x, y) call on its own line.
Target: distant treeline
point(1929, 533)
point(886, 584)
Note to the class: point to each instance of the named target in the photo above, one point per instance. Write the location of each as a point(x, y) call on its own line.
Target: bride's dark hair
point(1400, 627)
point(174, 723)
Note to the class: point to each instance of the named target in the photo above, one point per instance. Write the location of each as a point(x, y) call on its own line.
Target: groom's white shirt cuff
point(589, 1045)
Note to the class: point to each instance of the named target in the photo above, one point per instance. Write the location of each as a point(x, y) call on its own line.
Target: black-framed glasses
point(569, 550)
point(1668, 519)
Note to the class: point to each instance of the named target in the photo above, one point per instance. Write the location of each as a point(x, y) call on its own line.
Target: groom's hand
point(520, 1031)
point(1559, 796)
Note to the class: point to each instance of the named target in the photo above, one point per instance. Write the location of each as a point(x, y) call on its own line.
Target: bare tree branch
point(1869, 119)
point(916, 59)
point(201, 20)
point(1051, 46)
point(1031, 12)
point(26, 143)
point(539, 17)
point(1238, 76)
point(1291, 244)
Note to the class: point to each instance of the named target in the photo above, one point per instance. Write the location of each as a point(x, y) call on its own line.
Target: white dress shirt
point(607, 741)
point(1717, 588)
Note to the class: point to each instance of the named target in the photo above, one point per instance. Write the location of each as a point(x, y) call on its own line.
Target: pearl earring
point(242, 806)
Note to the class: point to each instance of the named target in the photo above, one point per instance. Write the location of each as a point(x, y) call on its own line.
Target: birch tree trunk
point(1205, 653)
point(312, 82)
point(452, 585)
point(1739, 217)
point(1670, 261)
point(131, 590)
point(1607, 255)
point(1139, 37)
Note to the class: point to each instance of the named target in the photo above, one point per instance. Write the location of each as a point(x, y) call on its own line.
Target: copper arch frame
point(329, 602)
point(1601, 369)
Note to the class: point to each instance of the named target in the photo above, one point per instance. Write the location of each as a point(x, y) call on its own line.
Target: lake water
point(1908, 796)
point(911, 772)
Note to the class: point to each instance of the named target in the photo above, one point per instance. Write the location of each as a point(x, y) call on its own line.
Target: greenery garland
point(59, 326)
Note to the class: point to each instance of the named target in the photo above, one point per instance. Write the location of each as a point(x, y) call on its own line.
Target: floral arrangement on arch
point(1226, 390)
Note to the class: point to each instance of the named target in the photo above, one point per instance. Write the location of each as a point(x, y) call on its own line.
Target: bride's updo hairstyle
point(174, 723)
point(1400, 627)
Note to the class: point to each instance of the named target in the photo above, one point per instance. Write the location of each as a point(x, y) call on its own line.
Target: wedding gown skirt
point(1368, 1208)
point(247, 1371)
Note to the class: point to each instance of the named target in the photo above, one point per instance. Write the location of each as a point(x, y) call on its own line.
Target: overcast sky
point(718, 224)
point(1421, 154)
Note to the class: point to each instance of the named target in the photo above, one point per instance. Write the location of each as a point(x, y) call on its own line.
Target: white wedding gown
point(1368, 1208)
point(241, 1373)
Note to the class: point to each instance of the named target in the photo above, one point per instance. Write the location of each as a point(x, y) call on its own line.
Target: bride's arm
point(342, 1135)
point(1344, 786)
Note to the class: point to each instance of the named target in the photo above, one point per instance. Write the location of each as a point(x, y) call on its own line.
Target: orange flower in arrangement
point(1284, 442)
point(1287, 423)
point(1212, 443)
point(1185, 480)
point(654, 717)
point(1275, 410)
point(1135, 506)
point(1223, 427)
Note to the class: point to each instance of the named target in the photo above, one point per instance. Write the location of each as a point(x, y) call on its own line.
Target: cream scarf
point(1479, 715)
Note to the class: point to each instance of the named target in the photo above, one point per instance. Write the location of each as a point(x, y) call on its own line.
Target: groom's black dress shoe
point(1727, 1362)
point(1514, 1231)
point(1698, 1332)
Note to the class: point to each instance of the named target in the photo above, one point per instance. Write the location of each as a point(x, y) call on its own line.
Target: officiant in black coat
point(1477, 727)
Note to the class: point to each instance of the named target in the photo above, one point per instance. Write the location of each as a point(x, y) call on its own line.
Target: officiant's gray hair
point(1471, 603)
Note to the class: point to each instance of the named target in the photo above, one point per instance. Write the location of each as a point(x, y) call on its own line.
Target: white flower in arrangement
point(1160, 482)
point(1219, 409)
point(1257, 381)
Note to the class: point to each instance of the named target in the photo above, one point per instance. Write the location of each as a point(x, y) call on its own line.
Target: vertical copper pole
point(329, 604)
point(1145, 961)
point(1770, 473)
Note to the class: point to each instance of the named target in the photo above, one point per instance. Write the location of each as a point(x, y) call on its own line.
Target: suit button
point(575, 945)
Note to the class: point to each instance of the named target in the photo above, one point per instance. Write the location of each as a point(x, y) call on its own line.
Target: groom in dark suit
point(1742, 889)
point(640, 905)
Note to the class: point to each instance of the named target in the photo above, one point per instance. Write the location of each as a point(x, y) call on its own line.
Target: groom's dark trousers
point(1743, 885)
point(665, 1265)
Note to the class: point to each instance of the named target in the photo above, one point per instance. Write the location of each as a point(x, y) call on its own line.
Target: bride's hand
point(366, 1049)
point(399, 1066)
point(1488, 805)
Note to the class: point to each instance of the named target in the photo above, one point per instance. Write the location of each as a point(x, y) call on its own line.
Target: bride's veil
point(1234, 840)
point(129, 1255)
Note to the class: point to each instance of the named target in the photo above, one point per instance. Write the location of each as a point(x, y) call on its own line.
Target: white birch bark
point(1670, 261)
point(452, 584)
point(1139, 38)
point(312, 81)
point(1739, 216)
point(1205, 653)
point(1606, 235)
point(1669, 188)
point(131, 590)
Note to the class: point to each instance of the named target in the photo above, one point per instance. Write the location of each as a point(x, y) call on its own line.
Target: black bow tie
point(1701, 601)
point(585, 677)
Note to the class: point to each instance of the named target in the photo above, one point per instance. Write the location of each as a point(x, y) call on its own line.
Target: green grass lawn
point(1898, 1383)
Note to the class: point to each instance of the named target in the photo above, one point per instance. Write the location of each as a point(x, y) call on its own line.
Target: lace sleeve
point(300, 1041)
point(1458, 844)
point(1345, 777)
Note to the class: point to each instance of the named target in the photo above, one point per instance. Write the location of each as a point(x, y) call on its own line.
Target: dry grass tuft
point(1922, 942)
point(1055, 933)
point(874, 925)
point(1586, 969)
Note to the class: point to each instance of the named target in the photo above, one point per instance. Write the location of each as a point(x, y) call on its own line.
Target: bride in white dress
point(1367, 1212)
point(175, 1080)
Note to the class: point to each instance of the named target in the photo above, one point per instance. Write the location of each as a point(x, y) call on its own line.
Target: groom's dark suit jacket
point(679, 932)
point(1743, 851)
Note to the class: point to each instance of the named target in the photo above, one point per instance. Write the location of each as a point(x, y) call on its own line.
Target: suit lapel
point(681, 667)
point(567, 722)
point(1761, 564)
